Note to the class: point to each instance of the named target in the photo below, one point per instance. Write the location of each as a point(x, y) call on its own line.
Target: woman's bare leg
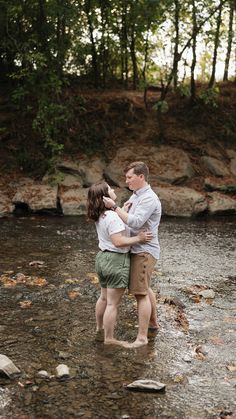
point(100, 309)
point(109, 319)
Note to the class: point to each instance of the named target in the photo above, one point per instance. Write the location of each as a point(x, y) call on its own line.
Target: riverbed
point(47, 297)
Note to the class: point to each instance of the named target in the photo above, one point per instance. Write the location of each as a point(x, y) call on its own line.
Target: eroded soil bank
point(47, 318)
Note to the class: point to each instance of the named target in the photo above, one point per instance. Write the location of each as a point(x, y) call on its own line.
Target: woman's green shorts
point(113, 269)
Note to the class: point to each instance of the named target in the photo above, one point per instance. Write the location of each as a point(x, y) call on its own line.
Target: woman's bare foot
point(138, 343)
point(115, 342)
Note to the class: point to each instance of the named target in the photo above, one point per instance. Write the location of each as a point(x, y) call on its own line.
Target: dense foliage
point(127, 40)
point(46, 45)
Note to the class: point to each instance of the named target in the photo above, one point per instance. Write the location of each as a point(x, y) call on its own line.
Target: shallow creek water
point(193, 351)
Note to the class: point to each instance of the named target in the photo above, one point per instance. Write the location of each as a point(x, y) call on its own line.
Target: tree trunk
point(42, 28)
point(176, 51)
point(194, 44)
point(133, 58)
point(230, 40)
point(104, 48)
point(146, 54)
point(216, 45)
point(124, 45)
point(187, 45)
point(93, 44)
point(60, 33)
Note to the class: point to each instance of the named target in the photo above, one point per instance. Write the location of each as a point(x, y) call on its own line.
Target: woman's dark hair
point(95, 204)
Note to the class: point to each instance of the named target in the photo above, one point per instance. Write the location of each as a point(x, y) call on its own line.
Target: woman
point(113, 260)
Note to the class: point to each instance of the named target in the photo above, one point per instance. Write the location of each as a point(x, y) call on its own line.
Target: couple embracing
point(129, 249)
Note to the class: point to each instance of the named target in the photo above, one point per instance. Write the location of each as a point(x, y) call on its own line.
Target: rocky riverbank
point(192, 162)
point(187, 185)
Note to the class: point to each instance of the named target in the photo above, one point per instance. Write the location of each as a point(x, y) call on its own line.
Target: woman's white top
point(110, 223)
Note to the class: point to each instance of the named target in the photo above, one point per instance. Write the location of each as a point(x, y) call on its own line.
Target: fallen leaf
point(200, 353)
point(7, 281)
point(226, 415)
point(92, 276)
point(231, 368)
point(209, 301)
point(178, 378)
point(231, 320)
point(182, 320)
point(73, 294)
point(72, 281)
point(25, 304)
point(195, 298)
point(195, 289)
point(200, 356)
point(20, 278)
point(39, 282)
point(217, 340)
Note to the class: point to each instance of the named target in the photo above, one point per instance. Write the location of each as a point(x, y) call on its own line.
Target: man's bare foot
point(115, 342)
point(137, 344)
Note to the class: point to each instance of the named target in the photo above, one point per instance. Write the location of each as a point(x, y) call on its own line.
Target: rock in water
point(146, 385)
point(43, 374)
point(7, 366)
point(63, 371)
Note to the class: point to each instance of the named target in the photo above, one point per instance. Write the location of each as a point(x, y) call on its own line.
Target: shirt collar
point(142, 190)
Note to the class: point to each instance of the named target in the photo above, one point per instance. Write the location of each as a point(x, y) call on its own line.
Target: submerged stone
point(207, 293)
point(43, 374)
point(146, 385)
point(62, 371)
point(8, 367)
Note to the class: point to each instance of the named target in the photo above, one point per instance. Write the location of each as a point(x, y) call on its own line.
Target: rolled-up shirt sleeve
point(142, 213)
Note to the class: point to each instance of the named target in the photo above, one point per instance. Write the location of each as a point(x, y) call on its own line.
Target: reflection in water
point(59, 325)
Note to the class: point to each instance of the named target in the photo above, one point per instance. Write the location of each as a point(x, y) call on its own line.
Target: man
point(142, 211)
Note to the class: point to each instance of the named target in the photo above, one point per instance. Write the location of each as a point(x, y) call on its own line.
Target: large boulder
point(233, 166)
point(221, 203)
point(214, 166)
point(181, 201)
point(166, 164)
point(63, 178)
point(226, 184)
point(71, 181)
point(38, 197)
point(73, 200)
point(232, 156)
point(92, 170)
point(86, 170)
point(6, 206)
